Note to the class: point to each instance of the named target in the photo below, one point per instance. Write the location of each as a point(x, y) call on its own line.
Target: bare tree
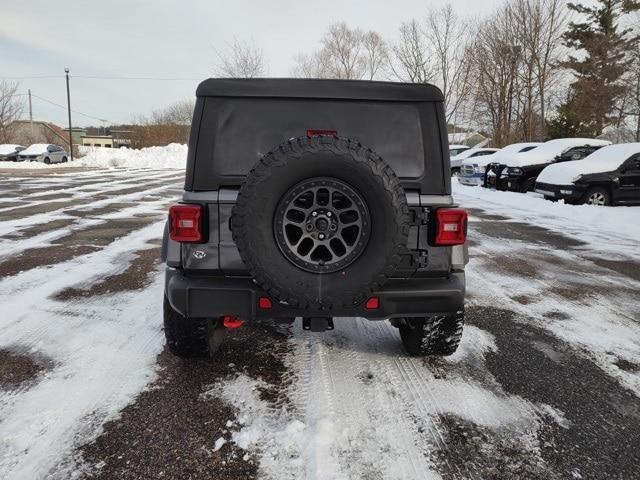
point(375, 55)
point(345, 53)
point(515, 59)
point(450, 37)
point(241, 60)
point(164, 126)
point(11, 107)
point(413, 61)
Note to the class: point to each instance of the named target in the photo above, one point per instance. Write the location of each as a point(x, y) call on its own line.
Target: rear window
point(236, 132)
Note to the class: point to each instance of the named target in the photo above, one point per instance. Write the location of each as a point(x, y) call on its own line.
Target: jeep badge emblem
point(199, 254)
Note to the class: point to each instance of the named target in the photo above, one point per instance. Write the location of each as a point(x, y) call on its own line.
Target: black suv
point(316, 199)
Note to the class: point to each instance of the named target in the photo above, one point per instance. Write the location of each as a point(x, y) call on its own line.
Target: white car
point(518, 172)
point(473, 169)
point(457, 149)
point(43, 152)
point(456, 162)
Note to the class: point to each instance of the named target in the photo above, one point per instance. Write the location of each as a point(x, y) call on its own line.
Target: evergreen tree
point(599, 65)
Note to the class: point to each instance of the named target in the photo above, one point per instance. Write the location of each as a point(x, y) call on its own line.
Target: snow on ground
point(616, 229)
point(173, 156)
point(599, 314)
point(362, 408)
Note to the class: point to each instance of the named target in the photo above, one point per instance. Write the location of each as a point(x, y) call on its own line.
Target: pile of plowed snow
point(173, 155)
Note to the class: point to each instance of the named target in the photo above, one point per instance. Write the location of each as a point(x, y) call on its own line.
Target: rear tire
point(439, 335)
point(191, 337)
point(64, 159)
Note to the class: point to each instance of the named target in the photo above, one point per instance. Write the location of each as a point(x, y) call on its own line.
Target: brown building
point(24, 132)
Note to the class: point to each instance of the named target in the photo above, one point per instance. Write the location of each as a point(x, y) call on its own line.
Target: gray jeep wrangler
point(316, 199)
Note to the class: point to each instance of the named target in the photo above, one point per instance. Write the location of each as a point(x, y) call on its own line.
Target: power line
point(168, 79)
point(65, 108)
point(31, 76)
point(102, 77)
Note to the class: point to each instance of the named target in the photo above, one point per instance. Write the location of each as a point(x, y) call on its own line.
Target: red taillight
point(264, 303)
point(318, 133)
point(231, 322)
point(451, 226)
point(184, 223)
point(373, 303)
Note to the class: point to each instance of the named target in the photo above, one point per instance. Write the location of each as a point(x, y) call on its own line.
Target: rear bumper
point(238, 297)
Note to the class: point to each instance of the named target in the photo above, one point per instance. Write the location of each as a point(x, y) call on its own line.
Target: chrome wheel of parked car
point(597, 196)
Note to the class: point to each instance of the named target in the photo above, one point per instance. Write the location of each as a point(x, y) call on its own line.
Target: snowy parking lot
point(546, 383)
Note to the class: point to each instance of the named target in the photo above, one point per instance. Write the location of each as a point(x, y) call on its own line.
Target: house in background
point(76, 134)
point(103, 141)
point(471, 139)
point(26, 132)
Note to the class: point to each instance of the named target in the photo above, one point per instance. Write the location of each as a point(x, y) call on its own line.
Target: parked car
point(9, 152)
point(456, 162)
point(610, 176)
point(43, 152)
point(324, 199)
point(457, 149)
point(519, 172)
point(473, 169)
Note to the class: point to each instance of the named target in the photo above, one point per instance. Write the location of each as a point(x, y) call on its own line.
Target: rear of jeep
point(316, 199)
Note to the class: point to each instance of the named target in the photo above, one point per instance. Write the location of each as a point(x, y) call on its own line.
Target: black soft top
point(316, 88)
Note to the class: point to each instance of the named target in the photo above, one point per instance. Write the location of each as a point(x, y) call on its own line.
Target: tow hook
point(317, 324)
point(231, 322)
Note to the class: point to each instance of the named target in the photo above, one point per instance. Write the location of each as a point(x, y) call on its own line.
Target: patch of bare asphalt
point(40, 228)
point(95, 212)
point(80, 242)
point(170, 429)
point(628, 268)
point(511, 265)
point(29, 210)
point(134, 277)
point(523, 299)
point(525, 232)
point(16, 368)
point(627, 366)
point(46, 207)
point(487, 453)
point(602, 431)
point(486, 216)
point(12, 204)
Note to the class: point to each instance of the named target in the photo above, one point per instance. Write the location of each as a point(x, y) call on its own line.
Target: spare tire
point(321, 222)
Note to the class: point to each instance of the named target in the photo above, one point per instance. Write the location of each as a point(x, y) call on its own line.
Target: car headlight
point(576, 178)
point(476, 168)
point(514, 171)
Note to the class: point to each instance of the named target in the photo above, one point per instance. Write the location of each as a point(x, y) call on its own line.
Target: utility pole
point(30, 113)
point(30, 109)
point(66, 71)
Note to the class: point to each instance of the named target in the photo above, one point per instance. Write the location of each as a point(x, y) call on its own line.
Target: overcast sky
point(167, 39)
